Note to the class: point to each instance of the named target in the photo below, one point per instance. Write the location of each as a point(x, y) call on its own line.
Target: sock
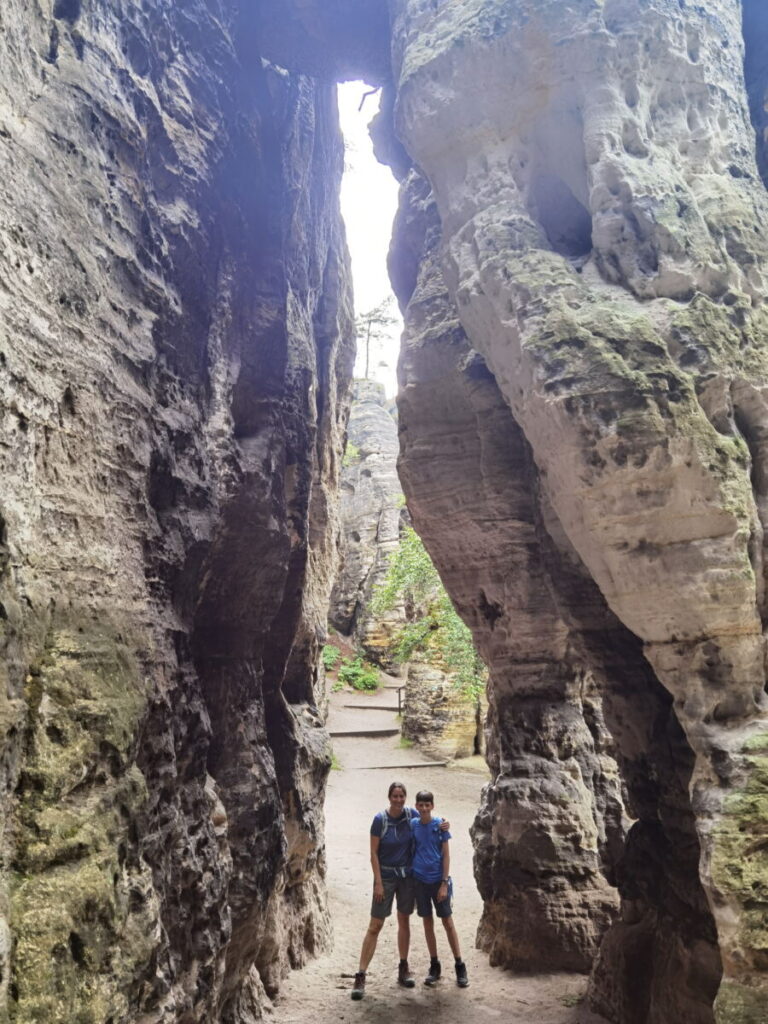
point(434, 960)
point(403, 963)
point(459, 961)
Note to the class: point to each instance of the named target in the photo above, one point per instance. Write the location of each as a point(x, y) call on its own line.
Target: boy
point(431, 870)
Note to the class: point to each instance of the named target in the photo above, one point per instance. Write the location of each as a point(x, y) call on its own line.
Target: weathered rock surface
point(594, 170)
point(371, 499)
point(437, 716)
point(174, 353)
point(551, 824)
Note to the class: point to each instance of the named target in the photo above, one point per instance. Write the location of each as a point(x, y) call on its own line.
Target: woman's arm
point(444, 824)
point(378, 886)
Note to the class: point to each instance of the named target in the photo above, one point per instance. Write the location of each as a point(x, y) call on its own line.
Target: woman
point(391, 856)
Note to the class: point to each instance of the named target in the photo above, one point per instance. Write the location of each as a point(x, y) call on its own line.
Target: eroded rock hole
point(77, 949)
point(67, 10)
point(566, 221)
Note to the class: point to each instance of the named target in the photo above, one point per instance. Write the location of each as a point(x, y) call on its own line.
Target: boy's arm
point(443, 891)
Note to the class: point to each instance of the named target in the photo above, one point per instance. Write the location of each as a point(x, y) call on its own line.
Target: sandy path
point(319, 994)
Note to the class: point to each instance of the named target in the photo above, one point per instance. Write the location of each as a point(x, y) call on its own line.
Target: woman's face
point(397, 798)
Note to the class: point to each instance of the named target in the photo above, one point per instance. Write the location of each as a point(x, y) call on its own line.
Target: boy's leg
point(424, 910)
point(429, 935)
point(452, 936)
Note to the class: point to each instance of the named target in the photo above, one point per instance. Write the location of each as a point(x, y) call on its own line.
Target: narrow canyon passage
point(581, 258)
point(320, 992)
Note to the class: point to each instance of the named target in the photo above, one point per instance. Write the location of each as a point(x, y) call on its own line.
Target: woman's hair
point(424, 797)
point(397, 785)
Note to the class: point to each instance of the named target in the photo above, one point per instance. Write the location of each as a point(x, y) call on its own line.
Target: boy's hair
point(397, 785)
point(424, 797)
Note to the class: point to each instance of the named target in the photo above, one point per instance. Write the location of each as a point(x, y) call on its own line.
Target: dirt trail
point(319, 994)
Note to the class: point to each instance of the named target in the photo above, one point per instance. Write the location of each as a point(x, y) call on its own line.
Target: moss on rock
point(78, 794)
point(739, 1004)
point(740, 875)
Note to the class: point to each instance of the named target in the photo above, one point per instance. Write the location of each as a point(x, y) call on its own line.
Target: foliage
point(330, 656)
point(373, 328)
point(351, 455)
point(359, 674)
point(337, 686)
point(411, 576)
point(434, 628)
point(572, 999)
point(336, 765)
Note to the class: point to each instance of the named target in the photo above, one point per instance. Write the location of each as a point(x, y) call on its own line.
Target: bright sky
point(368, 205)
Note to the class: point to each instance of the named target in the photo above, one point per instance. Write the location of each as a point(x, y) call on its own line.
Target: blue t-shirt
point(428, 850)
point(395, 847)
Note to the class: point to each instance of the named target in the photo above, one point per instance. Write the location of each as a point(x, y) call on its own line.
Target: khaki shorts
point(404, 889)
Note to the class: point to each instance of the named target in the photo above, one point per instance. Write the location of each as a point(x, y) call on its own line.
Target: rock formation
point(552, 821)
point(583, 423)
point(173, 364)
point(438, 717)
point(371, 499)
point(600, 210)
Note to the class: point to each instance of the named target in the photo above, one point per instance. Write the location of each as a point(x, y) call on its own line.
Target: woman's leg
point(403, 934)
point(369, 942)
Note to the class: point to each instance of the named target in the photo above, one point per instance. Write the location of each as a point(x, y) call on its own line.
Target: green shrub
point(330, 656)
point(359, 674)
point(434, 628)
point(352, 454)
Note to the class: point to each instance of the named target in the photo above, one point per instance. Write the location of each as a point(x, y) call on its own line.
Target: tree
point(434, 628)
point(373, 328)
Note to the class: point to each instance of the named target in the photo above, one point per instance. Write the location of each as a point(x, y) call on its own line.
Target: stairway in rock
point(365, 728)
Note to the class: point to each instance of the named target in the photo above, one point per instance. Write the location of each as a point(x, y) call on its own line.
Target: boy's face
point(424, 807)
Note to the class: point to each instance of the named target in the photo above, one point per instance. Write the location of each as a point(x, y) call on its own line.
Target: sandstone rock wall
point(370, 511)
point(174, 353)
point(600, 209)
point(551, 824)
point(446, 723)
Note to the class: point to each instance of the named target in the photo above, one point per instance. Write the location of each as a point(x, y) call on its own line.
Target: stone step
point(371, 707)
point(366, 732)
point(394, 767)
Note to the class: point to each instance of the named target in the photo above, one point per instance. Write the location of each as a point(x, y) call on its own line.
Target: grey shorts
point(405, 891)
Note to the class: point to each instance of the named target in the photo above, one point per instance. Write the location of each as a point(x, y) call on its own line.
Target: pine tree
point(372, 328)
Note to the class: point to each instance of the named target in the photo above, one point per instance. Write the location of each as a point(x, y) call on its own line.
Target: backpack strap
point(384, 824)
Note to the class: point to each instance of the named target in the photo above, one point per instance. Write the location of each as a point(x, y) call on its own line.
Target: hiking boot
point(358, 989)
point(434, 973)
point(461, 974)
point(404, 975)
